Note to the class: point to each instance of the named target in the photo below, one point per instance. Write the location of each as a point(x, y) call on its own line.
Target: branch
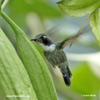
point(80, 30)
point(83, 24)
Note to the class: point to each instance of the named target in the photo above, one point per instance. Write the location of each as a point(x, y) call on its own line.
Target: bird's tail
point(69, 72)
point(66, 75)
point(67, 79)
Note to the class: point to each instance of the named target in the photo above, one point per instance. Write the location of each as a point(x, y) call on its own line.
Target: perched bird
point(55, 55)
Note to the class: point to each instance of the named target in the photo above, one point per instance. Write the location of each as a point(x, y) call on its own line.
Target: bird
point(55, 54)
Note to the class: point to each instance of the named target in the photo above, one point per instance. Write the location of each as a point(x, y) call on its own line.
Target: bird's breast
point(56, 58)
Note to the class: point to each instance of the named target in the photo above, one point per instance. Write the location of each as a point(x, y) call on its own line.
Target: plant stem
point(4, 3)
point(80, 30)
point(83, 24)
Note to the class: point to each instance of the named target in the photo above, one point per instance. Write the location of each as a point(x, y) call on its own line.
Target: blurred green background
point(39, 16)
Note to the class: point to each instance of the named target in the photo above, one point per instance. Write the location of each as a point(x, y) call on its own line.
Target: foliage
point(28, 67)
point(78, 8)
point(33, 63)
point(85, 81)
point(12, 72)
point(36, 6)
point(42, 8)
point(95, 24)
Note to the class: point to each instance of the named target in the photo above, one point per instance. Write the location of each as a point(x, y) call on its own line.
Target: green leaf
point(39, 49)
point(95, 24)
point(42, 8)
point(22, 8)
point(14, 79)
point(2, 95)
point(85, 82)
point(34, 64)
point(78, 8)
point(84, 75)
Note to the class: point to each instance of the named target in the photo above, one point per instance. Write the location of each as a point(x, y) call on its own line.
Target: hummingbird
point(55, 54)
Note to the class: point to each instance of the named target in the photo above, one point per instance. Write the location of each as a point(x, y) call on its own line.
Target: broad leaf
point(78, 8)
point(85, 81)
point(14, 79)
point(21, 8)
point(42, 8)
point(2, 95)
point(95, 24)
point(34, 64)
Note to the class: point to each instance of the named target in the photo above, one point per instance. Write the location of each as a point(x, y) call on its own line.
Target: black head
point(42, 38)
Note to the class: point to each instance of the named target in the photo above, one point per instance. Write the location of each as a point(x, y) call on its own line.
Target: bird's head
point(44, 42)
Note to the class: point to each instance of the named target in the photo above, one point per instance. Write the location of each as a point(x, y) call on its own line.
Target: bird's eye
point(43, 37)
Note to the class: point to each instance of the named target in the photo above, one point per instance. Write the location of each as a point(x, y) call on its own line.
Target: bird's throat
point(49, 48)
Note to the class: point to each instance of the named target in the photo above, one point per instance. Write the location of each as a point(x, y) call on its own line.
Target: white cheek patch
point(47, 48)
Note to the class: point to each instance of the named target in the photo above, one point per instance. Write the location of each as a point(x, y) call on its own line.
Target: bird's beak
point(34, 40)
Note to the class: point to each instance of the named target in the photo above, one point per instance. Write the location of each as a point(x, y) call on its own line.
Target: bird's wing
point(70, 40)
